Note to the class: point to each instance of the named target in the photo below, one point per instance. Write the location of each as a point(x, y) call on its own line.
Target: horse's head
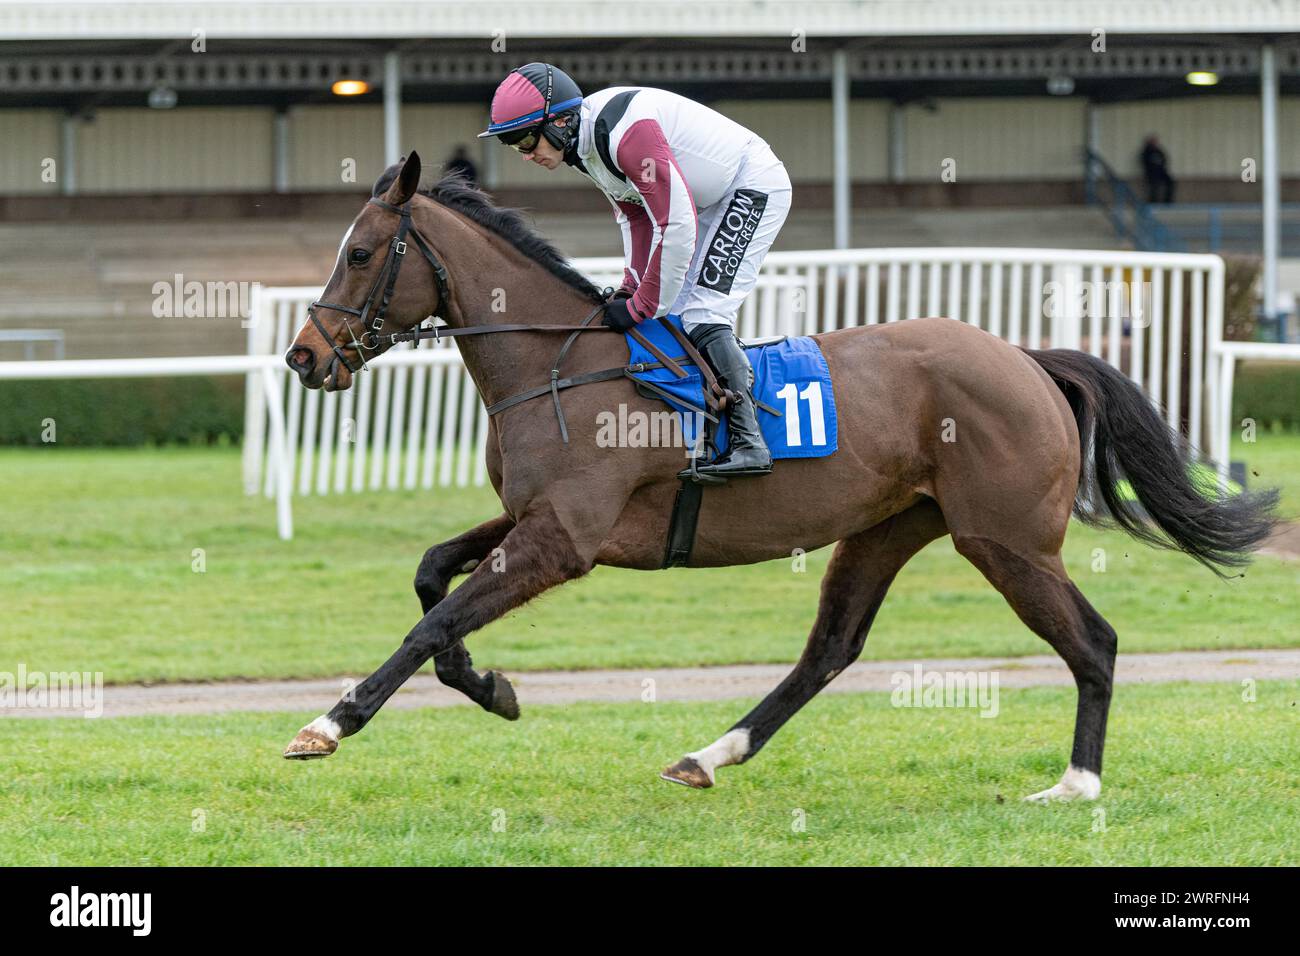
point(370, 295)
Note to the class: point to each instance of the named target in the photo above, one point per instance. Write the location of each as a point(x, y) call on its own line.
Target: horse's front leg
point(454, 666)
point(537, 555)
point(460, 555)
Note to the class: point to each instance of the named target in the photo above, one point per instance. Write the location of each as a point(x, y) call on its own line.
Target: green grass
point(1273, 460)
point(1194, 776)
point(96, 554)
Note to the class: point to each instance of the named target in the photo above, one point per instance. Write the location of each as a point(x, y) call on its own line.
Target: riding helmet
point(536, 94)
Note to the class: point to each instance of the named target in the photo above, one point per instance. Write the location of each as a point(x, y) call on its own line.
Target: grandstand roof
point(81, 74)
point(387, 19)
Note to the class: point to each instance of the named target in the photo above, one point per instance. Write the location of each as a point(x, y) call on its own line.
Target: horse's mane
point(456, 193)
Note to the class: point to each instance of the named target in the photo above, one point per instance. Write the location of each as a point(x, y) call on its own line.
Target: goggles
point(522, 140)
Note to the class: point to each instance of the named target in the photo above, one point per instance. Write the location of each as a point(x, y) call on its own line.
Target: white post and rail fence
point(415, 420)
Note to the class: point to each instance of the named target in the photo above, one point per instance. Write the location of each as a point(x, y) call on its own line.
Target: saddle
point(792, 391)
point(788, 372)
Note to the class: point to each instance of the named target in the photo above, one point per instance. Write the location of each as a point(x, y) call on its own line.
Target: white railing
point(264, 379)
point(1224, 356)
point(29, 337)
point(415, 420)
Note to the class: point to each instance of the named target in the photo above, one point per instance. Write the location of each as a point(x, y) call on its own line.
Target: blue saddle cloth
point(790, 376)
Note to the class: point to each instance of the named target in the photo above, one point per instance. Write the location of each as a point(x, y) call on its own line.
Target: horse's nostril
point(300, 359)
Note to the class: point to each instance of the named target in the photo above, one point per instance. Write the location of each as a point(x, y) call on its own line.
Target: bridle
point(371, 326)
point(715, 395)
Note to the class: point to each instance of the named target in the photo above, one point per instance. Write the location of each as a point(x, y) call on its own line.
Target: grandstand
point(902, 124)
point(96, 281)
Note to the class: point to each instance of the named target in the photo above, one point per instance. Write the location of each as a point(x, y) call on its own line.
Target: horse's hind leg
point(1040, 592)
point(454, 666)
point(859, 574)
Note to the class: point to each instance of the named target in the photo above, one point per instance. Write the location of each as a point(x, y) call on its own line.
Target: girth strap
point(681, 528)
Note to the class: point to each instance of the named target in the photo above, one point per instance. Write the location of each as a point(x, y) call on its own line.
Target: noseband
point(371, 326)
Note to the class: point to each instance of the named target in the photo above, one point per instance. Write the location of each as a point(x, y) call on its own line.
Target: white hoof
point(318, 739)
point(697, 769)
point(1075, 784)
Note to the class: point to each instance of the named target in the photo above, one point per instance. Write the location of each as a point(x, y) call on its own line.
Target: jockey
point(699, 200)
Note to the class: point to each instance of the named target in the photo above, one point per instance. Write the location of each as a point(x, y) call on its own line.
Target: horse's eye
point(359, 257)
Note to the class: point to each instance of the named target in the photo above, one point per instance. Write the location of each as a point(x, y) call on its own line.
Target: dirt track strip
point(680, 684)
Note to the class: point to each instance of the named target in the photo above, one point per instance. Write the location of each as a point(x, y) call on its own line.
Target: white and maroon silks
point(699, 199)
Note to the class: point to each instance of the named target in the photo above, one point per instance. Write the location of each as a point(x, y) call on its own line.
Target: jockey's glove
point(619, 315)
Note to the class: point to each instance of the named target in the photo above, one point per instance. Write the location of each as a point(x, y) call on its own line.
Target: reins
point(715, 396)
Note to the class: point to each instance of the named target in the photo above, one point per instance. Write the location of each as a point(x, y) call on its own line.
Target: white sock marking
point(730, 748)
point(323, 725)
point(1075, 784)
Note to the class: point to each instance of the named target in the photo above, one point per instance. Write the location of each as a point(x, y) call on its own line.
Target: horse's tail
point(1129, 440)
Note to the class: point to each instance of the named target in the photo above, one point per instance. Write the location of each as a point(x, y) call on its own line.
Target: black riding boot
point(746, 453)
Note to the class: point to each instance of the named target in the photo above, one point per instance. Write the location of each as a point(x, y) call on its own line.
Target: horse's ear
point(407, 181)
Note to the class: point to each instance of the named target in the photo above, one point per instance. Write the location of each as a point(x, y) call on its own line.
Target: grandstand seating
point(95, 280)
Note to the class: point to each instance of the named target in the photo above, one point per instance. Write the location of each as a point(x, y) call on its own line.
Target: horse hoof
point(1075, 785)
point(310, 744)
point(686, 771)
point(504, 703)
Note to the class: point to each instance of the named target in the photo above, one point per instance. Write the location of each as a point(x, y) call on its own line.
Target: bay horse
point(944, 429)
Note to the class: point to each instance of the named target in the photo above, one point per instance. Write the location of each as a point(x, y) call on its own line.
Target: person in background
point(461, 163)
point(1155, 167)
